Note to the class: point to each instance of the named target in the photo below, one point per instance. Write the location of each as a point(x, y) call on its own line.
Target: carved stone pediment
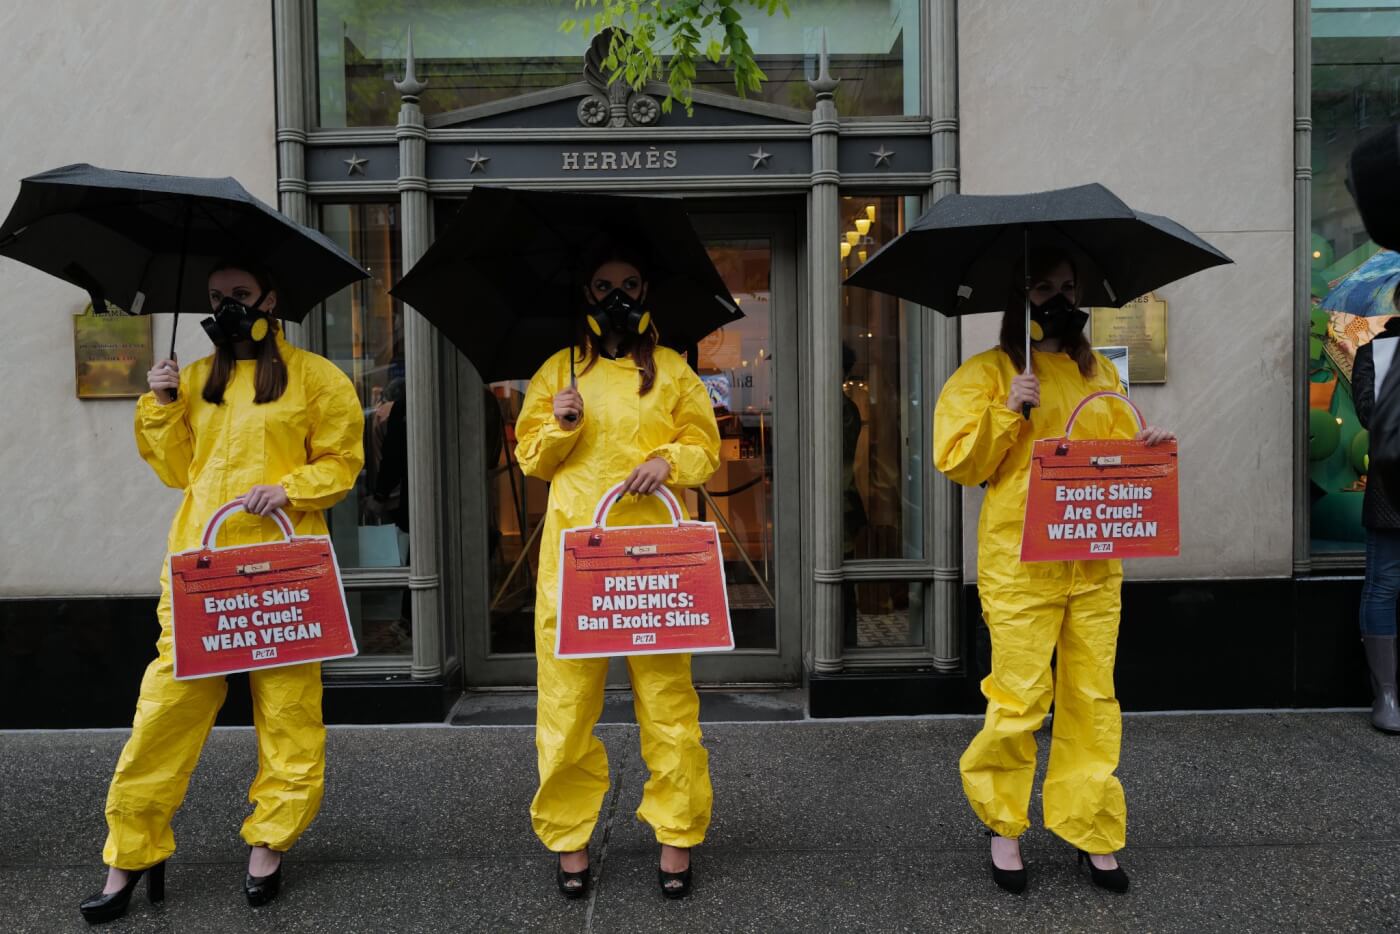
point(612, 104)
point(615, 105)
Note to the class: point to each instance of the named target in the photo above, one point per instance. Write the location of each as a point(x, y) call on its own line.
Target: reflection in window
point(362, 329)
point(882, 437)
point(1355, 92)
point(879, 614)
point(516, 507)
point(475, 51)
point(736, 364)
point(380, 621)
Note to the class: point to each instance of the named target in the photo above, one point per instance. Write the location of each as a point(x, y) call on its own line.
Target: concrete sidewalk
point(1249, 822)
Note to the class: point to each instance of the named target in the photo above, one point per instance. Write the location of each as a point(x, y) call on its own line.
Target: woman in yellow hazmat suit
point(1065, 609)
point(280, 427)
point(639, 414)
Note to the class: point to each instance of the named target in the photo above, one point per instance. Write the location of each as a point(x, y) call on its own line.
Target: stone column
point(824, 317)
point(942, 32)
point(1302, 277)
point(292, 95)
point(421, 353)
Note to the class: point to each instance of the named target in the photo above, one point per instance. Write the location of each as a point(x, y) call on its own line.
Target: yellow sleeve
point(335, 447)
point(694, 454)
point(972, 427)
point(540, 444)
point(163, 436)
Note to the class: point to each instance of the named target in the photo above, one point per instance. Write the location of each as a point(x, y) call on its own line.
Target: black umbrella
point(146, 242)
point(502, 283)
point(961, 256)
point(964, 254)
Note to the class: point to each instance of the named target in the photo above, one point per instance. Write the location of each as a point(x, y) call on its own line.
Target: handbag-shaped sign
point(257, 606)
point(643, 589)
point(1101, 499)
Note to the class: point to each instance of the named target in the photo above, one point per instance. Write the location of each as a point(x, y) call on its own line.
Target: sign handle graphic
point(611, 497)
point(1069, 426)
point(216, 521)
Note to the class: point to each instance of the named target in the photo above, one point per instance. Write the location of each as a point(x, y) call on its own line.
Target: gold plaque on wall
point(111, 354)
point(1141, 326)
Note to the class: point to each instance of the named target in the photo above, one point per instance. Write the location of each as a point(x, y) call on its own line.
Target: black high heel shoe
point(571, 884)
point(674, 884)
point(259, 890)
point(98, 907)
point(1008, 880)
point(1115, 880)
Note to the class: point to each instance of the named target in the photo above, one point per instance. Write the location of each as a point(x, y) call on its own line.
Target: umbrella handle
point(1026, 259)
point(179, 282)
point(573, 382)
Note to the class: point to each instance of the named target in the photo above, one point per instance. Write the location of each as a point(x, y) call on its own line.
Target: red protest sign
point(641, 590)
point(257, 606)
point(1101, 499)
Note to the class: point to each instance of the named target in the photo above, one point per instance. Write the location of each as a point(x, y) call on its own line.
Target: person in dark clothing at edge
point(1382, 520)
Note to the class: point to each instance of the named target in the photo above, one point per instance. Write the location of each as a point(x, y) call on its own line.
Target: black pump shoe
point(674, 884)
point(259, 890)
point(1115, 880)
point(1008, 880)
point(571, 884)
point(98, 907)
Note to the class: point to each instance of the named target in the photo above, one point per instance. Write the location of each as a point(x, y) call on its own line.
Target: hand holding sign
point(1153, 436)
point(265, 499)
point(648, 478)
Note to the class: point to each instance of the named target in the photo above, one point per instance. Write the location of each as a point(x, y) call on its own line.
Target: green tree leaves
point(645, 27)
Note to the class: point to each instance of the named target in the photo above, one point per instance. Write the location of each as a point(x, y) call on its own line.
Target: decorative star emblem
point(760, 158)
point(478, 162)
point(355, 165)
point(882, 156)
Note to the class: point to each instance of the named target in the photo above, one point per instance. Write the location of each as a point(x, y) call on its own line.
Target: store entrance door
point(750, 368)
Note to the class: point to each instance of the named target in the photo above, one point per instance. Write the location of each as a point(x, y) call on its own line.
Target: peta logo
point(1101, 548)
point(260, 654)
point(644, 638)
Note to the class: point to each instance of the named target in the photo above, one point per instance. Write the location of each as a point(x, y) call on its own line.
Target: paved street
point(1237, 822)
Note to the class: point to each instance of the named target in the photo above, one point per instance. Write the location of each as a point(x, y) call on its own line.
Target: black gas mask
point(620, 312)
point(234, 322)
point(1056, 319)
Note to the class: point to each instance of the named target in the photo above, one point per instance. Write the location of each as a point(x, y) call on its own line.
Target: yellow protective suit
point(309, 442)
point(619, 431)
point(1068, 609)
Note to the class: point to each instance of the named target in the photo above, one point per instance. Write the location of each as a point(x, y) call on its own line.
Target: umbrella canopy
point(502, 281)
point(1368, 290)
point(965, 254)
point(147, 242)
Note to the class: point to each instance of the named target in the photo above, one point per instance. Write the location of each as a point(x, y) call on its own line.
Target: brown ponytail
point(643, 353)
point(269, 379)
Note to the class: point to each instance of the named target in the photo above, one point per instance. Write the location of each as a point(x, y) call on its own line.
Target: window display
point(1355, 90)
